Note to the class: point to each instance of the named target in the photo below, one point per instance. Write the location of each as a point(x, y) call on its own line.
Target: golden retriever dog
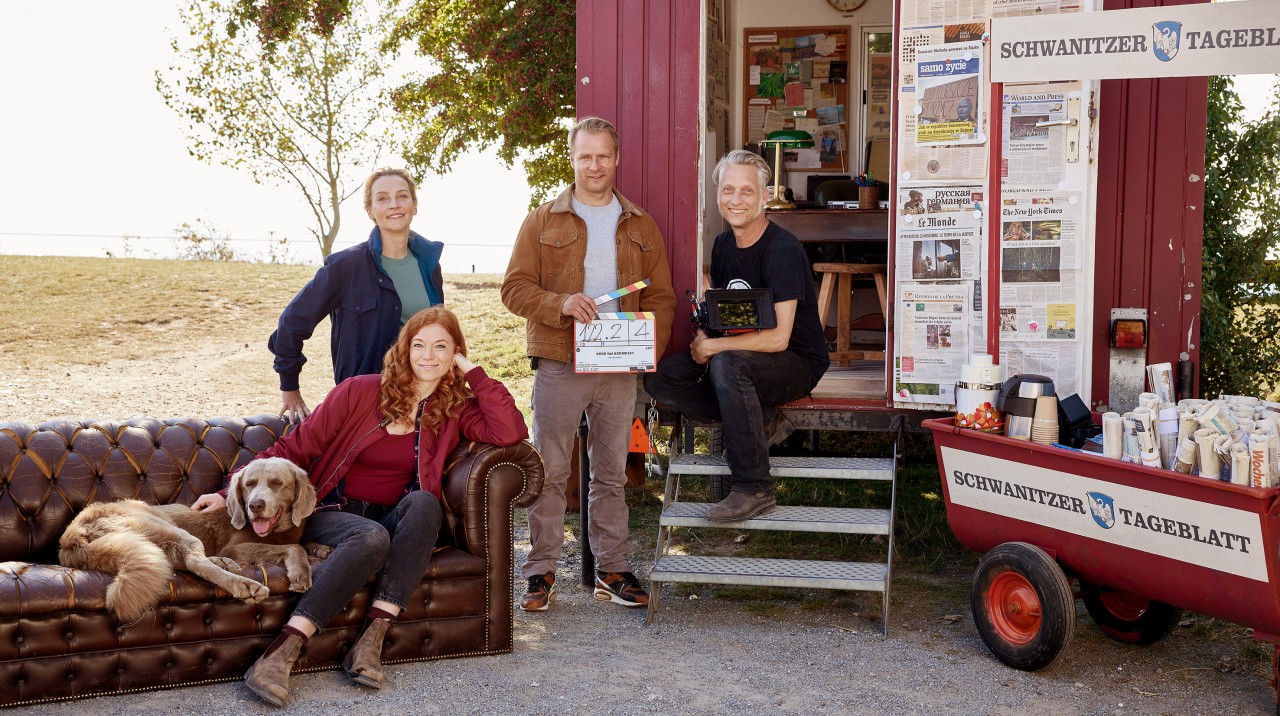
point(267, 504)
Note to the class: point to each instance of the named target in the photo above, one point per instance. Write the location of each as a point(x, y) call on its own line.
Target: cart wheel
point(1129, 617)
point(721, 485)
point(1023, 606)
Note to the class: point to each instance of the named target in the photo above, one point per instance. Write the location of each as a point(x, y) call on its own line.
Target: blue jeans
point(399, 546)
point(738, 389)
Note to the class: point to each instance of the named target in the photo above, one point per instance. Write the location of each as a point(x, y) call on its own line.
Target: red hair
point(398, 388)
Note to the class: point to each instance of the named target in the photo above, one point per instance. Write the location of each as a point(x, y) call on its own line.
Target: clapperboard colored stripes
point(622, 292)
point(626, 315)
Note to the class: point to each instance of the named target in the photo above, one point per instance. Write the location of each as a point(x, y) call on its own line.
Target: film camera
point(727, 311)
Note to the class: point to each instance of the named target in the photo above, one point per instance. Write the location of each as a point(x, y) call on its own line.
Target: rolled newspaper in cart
point(1222, 446)
point(1160, 376)
point(1186, 462)
point(1210, 465)
point(1260, 462)
point(1148, 443)
point(1130, 438)
point(1241, 462)
point(1112, 436)
point(1167, 434)
point(1148, 400)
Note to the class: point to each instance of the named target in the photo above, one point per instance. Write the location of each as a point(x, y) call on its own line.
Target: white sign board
point(1199, 533)
point(1231, 38)
point(615, 343)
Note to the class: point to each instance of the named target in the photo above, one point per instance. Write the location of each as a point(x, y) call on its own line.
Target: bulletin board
point(798, 78)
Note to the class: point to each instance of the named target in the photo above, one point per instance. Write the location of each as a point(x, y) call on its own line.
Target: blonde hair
point(741, 157)
point(398, 390)
point(387, 172)
point(593, 124)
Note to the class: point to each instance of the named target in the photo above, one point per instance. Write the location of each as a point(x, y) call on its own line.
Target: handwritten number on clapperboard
point(643, 329)
point(617, 331)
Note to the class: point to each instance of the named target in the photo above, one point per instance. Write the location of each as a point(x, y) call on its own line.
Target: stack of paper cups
point(1209, 463)
point(1112, 436)
point(1044, 426)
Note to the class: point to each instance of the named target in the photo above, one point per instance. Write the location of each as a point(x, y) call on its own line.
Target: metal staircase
point(863, 576)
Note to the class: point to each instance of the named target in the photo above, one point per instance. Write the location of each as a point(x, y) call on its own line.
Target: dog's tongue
point(261, 526)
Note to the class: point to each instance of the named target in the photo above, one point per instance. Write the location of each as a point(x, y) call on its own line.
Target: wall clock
point(846, 5)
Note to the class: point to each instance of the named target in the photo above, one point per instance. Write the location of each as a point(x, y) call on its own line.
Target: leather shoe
point(740, 506)
point(269, 675)
point(364, 662)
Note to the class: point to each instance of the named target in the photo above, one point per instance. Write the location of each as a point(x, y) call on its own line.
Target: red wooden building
point(645, 66)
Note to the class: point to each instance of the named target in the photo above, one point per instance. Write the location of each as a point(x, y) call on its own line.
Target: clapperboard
point(616, 342)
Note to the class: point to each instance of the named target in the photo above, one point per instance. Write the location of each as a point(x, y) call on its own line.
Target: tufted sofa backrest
point(49, 472)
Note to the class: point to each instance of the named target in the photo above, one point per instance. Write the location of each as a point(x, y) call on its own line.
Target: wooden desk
point(834, 224)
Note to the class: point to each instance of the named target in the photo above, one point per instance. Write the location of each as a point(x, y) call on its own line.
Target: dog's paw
point(227, 563)
point(249, 590)
point(300, 582)
point(317, 550)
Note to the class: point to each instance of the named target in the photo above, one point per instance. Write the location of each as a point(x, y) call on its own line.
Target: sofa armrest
point(482, 485)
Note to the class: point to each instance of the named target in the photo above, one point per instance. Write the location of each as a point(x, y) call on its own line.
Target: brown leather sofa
point(57, 641)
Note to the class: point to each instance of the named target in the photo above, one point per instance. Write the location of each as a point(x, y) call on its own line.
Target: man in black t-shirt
point(738, 379)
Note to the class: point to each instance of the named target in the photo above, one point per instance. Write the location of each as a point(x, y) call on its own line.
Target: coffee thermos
point(1018, 400)
point(977, 393)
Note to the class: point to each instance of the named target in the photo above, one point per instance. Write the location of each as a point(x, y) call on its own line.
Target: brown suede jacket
point(547, 267)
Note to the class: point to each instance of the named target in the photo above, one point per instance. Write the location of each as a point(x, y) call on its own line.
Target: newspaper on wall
point(926, 163)
point(1013, 8)
point(939, 233)
point(1059, 361)
point(933, 341)
point(1033, 153)
point(1040, 235)
point(949, 92)
point(916, 12)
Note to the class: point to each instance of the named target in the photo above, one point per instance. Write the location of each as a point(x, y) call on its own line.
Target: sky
point(90, 153)
point(88, 147)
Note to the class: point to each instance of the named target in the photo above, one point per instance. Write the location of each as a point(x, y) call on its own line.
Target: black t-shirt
point(776, 262)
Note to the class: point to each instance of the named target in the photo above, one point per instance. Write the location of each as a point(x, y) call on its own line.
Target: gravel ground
point(708, 655)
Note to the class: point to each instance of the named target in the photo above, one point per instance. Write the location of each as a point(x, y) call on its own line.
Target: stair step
point(834, 468)
point(786, 517)
point(809, 574)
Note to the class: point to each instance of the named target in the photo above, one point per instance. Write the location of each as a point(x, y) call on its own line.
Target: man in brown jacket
point(587, 242)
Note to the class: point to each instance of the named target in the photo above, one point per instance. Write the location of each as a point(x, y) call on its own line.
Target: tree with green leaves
point(1240, 306)
point(308, 111)
point(503, 75)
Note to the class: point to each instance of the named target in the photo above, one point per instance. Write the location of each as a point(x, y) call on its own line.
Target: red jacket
point(328, 441)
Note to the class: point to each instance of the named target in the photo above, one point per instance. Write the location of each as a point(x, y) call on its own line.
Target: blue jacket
point(361, 301)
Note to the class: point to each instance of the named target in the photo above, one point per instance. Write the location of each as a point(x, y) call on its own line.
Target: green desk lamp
point(783, 139)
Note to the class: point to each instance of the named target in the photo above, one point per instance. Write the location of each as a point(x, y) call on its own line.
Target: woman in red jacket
point(375, 450)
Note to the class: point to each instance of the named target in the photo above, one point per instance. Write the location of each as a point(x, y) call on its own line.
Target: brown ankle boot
point(269, 675)
point(364, 662)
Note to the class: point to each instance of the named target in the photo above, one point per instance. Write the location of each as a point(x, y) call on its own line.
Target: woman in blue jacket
point(368, 291)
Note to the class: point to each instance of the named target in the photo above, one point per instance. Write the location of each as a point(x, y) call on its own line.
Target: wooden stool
point(845, 273)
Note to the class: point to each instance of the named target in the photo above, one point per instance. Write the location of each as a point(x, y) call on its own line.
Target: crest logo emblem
point(1102, 508)
point(1166, 38)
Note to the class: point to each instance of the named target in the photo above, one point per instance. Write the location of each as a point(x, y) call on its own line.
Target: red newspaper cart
point(1143, 543)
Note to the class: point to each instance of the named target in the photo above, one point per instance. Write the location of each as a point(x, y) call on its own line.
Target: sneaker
point(778, 429)
point(739, 506)
point(540, 594)
point(620, 588)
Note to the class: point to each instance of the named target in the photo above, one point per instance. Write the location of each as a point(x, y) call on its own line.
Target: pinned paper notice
point(825, 45)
